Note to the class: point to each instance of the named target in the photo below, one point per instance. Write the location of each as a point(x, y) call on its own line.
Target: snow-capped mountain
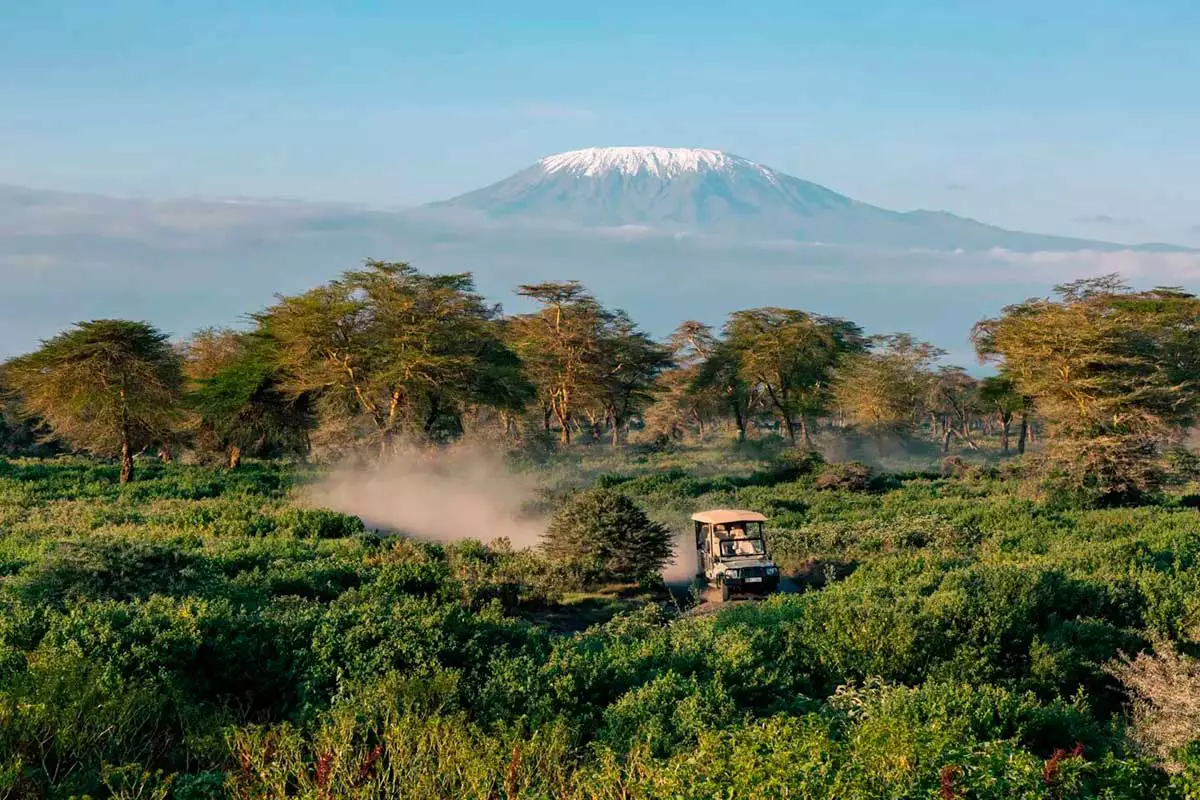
point(712, 192)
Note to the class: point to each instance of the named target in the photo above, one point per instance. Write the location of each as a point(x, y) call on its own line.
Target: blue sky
point(1065, 116)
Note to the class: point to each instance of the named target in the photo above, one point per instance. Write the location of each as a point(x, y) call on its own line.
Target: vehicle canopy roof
point(727, 516)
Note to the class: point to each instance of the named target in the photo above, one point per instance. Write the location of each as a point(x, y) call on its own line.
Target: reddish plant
point(323, 765)
point(510, 779)
point(368, 764)
point(949, 773)
point(1050, 771)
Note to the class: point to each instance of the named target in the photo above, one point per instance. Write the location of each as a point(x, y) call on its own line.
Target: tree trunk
point(164, 455)
point(1023, 434)
point(126, 462)
point(946, 434)
point(235, 456)
point(431, 417)
point(389, 425)
point(790, 427)
point(1005, 422)
point(740, 419)
point(804, 434)
point(126, 451)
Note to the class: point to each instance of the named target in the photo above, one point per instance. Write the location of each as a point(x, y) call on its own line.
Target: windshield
point(731, 548)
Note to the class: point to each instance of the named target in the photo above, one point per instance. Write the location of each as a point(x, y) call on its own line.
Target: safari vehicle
point(731, 552)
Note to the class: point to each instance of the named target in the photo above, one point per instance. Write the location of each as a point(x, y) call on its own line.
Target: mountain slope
point(715, 193)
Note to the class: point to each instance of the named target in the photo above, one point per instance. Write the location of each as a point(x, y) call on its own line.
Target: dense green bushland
point(202, 634)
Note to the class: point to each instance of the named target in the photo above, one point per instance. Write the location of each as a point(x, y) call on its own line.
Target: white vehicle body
point(731, 552)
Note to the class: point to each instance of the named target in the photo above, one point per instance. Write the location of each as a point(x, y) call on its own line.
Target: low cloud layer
point(185, 267)
point(1105, 219)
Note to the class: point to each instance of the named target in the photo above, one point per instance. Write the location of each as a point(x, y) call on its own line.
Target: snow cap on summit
point(662, 162)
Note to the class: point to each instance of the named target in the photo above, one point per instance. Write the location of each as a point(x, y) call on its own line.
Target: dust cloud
point(683, 565)
point(442, 495)
point(454, 493)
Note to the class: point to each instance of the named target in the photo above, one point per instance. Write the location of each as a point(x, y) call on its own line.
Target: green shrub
point(603, 535)
point(794, 463)
point(194, 634)
point(317, 523)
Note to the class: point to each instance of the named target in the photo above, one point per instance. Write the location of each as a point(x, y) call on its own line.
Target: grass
point(204, 634)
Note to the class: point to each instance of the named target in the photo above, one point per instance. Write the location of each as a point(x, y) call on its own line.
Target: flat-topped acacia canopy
point(726, 516)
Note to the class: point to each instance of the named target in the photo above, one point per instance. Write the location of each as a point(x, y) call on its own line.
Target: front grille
point(753, 572)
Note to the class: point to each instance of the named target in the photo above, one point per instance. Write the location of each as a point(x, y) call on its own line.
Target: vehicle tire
point(724, 592)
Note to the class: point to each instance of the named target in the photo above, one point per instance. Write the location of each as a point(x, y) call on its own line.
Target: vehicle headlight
point(772, 570)
point(733, 573)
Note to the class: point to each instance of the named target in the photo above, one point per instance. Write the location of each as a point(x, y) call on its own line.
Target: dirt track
point(711, 602)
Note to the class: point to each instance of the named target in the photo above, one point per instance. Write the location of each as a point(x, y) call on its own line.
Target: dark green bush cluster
point(602, 535)
point(219, 643)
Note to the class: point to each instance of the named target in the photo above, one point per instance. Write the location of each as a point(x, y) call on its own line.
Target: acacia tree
point(388, 349)
point(109, 386)
point(953, 400)
point(887, 388)
point(630, 365)
point(998, 394)
point(790, 355)
point(719, 376)
point(1112, 372)
point(560, 346)
point(236, 394)
point(684, 399)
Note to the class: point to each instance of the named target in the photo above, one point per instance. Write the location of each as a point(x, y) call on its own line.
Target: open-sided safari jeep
point(731, 552)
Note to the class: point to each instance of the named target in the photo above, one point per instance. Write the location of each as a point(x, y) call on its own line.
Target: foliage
point(110, 387)
point(888, 387)
point(1112, 373)
point(387, 350)
point(198, 635)
point(1165, 687)
point(585, 360)
point(603, 535)
point(689, 394)
point(237, 394)
point(206, 633)
point(560, 349)
point(631, 362)
point(998, 394)
point(790, 355)
point(20, 434)
point(953, 398)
